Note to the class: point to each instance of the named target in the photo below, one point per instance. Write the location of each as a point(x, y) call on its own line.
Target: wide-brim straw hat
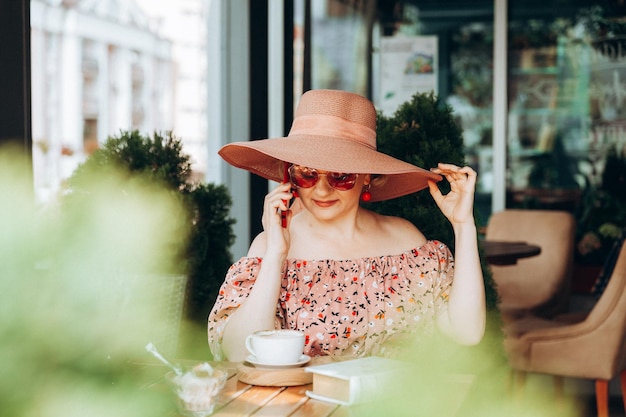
point(331, 131)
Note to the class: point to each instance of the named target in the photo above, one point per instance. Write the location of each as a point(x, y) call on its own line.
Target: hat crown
point(346, 105)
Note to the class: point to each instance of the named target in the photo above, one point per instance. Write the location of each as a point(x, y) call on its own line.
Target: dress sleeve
point(236, 287)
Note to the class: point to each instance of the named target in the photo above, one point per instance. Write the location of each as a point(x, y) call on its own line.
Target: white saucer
point(303, 359)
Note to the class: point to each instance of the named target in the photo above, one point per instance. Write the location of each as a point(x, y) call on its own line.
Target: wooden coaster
point(288, 377)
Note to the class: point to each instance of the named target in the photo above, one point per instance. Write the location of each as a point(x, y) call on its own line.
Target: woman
point(353, 280)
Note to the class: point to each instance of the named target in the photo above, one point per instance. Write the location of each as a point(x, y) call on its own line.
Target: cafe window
point(565, 72)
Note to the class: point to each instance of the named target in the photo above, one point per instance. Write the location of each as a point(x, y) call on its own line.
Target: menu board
point(607, 93)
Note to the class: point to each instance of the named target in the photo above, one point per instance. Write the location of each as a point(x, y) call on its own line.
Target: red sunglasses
point(303, 177)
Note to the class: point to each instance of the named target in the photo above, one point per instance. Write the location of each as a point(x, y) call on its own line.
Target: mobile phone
point(283, 213)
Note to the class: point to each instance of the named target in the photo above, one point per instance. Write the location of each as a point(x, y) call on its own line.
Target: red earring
point(365, 194)
point(295, 193)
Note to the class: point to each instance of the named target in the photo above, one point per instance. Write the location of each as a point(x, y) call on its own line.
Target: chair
point(166, 294)
point(591, 348)
point(540, 284)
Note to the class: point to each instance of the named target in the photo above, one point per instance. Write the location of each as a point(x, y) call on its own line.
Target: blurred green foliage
point(446, 379)
point(70, 329)
point(206, 232)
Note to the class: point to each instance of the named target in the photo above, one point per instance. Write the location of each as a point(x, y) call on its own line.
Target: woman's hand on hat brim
point(458, 204)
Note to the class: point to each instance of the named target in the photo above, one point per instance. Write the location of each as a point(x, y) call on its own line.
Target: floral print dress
point(347, 307)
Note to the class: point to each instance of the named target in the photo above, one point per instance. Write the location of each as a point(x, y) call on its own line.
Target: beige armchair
point(540, 284)
point(594, 347)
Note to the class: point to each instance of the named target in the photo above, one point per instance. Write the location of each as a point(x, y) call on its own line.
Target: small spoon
point(152, 349)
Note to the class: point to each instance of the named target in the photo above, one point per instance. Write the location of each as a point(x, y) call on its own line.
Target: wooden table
point(507, 253)
point(239, 399)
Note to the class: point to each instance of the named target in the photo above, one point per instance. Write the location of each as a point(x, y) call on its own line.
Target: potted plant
point(601, 218)
point(602, 25)
point(205, 233)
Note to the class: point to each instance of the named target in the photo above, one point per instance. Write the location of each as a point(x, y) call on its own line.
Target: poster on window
point(408, 65)
point(607, 94)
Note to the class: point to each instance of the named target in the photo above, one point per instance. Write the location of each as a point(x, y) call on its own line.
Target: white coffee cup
point(276, 347)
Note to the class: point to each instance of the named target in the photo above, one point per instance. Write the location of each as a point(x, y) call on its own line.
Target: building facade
point(99, 67)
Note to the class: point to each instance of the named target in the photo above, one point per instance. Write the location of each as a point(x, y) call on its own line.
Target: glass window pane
point(567, 121)
point(465, 80)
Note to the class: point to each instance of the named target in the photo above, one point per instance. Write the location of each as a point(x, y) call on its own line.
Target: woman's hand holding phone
point(283, 213)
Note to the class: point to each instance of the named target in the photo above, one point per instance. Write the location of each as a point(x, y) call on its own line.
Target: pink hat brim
point(264, 157)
